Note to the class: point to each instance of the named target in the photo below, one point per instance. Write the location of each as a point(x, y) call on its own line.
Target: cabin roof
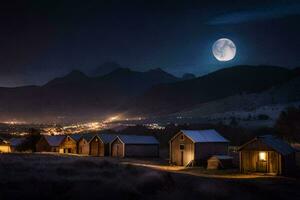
point(209, 135)
point(16, 141)
point(138, 139)
point(88, 136)
point(4, 142)
point(274, 143)
point(76, 137)
point(277, 144)
point(106, 138)
point(222, 157)
point(54, 140)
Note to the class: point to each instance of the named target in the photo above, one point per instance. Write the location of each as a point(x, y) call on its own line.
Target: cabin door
point(119, 150)
point(94, 148)
point(181, 158)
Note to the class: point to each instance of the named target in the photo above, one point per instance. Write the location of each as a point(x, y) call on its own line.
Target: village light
point(262, 156)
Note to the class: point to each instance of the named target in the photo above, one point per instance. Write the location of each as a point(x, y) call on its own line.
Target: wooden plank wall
point(188, 152)
point(141, 150)
point(114, 151)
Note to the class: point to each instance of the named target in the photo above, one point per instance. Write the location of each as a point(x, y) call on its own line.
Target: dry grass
point(41, 176)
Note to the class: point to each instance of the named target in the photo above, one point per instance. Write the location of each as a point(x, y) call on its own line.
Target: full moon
point(224, 49)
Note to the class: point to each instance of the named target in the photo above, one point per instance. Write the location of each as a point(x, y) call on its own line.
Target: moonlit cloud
point(264, 13)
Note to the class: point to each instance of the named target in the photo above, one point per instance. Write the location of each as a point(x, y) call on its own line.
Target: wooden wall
point(250, 162)
point(68, 144)
point(141, 150)
point(43, 146)
point(117, 148)
point(96, 147)
point(83, 147)
point(181, 157)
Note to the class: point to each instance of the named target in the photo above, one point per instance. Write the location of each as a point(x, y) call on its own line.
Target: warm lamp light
point(262, 156)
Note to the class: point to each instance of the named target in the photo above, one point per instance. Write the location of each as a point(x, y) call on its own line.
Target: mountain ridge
point(213, 86)
point(78, 96)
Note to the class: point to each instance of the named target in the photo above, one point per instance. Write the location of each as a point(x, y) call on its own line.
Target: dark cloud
point(263, 13)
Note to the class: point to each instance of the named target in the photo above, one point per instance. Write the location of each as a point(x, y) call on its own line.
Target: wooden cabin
point(134, 146)
point(267, 154)
point(4, 146)
point(15, 143)
point(100, 144)
point(69, 144)
point(192, 147)
point(84, 144)
point(95, 144)
point(49, 143)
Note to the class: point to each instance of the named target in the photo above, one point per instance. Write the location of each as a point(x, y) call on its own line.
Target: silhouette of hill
point(105, 68)
point(188, 76)
point(172, 97)
point(77, 95)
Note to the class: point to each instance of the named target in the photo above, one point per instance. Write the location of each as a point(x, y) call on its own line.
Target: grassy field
point(43, 176)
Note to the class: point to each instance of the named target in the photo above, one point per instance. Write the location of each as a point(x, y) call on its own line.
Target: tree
point(29, 143)
point(288, 124)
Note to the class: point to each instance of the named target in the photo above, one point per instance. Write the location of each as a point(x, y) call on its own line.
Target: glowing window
point(262, 156)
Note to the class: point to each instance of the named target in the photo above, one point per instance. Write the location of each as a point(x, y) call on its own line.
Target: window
point(262, 156)
point(181, 137)
point(181, 146)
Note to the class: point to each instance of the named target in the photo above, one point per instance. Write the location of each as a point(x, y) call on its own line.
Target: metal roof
point(16, 141)
point(209, 135)
point(138, 139)
point(106, 138)
point(222, 157)
point(277, 144)
point(76, 137)
point(54, 140)
point(88, 136)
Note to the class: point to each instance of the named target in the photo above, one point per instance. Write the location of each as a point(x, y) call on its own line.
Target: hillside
point(77, 95)
point(283, 94)
point(173, 97)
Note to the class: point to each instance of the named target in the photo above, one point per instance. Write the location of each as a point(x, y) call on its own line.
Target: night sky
point(43, 39)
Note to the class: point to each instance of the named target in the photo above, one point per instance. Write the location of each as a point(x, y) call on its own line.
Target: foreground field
point(39, 176)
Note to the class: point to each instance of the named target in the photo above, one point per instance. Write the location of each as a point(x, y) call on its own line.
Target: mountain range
point(173, 97)
point(78, 96)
